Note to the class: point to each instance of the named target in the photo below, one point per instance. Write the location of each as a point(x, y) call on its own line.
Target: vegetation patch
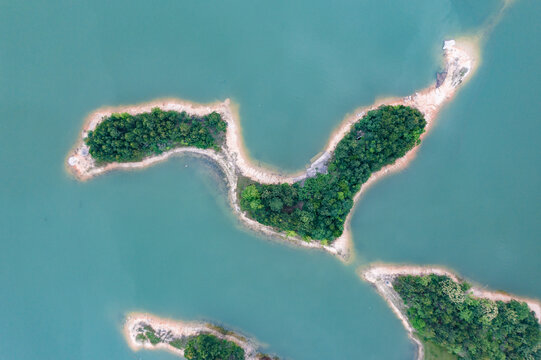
point(443, 312)
point(141, 338)
point(221, 329)
point(199, 347)
point(316, 208)
point(147, 333)
point(179, 343)
point(151, 336)
point(437, 352)
point(210, 347)
point(124, 137)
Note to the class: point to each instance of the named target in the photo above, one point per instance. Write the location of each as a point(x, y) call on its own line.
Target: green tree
point(251, 198)
point(209, 347)
point(472, 328)
point(317, 207)
point(276, 204)
point(124, 137)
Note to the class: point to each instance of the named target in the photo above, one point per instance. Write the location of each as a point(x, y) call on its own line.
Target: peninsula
point(311, 208)
point(438, 308)
point(192, 340)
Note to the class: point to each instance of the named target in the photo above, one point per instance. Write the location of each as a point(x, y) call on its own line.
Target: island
point(191, 340)
point(317, 207)
point(451, 318)
point(446, 316)
point(311, 208)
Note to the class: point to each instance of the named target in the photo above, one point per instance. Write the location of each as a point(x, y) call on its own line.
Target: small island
point(191, 340)
point(317, 207)
point(452, 318)
point(311, 208)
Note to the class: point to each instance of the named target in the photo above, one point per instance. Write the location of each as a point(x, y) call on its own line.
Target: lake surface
point(76, 257)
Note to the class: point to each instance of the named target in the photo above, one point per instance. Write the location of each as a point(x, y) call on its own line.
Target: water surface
point(77, 256)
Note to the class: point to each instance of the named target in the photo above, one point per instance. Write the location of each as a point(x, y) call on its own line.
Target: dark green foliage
point(141, 337)
point(437, 352)
point(148, 333)
point(200, 347)
point(151, 336)
point(209, 347)
point(441, 312)
point(318, 208)
point(124, 137)
point(179, 343)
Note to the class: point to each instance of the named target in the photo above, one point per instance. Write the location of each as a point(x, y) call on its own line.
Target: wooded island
point(317, 207)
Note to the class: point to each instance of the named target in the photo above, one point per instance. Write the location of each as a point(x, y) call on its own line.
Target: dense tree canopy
point(209, 347)
point(441, 311)
point(124, 137)
point(203, 346)
point(317, 207)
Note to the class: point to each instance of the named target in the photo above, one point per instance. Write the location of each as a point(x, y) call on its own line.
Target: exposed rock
point(440, 78)
point(448, 44)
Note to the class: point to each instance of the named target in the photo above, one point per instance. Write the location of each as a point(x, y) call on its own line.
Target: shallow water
point(77, 256)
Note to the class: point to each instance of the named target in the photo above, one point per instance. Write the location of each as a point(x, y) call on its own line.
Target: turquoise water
point(77, 256)
point(471, 200)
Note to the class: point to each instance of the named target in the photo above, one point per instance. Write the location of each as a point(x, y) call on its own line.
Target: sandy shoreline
point(460, 62)
point(381, 277)
point(178, 329)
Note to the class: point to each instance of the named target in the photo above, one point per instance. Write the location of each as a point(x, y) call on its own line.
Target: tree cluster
point(316, 208)
point(124, 137)
point(209, 347)
point(443, 312)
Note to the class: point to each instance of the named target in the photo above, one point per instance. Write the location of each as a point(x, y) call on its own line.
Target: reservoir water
point(76, 257)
